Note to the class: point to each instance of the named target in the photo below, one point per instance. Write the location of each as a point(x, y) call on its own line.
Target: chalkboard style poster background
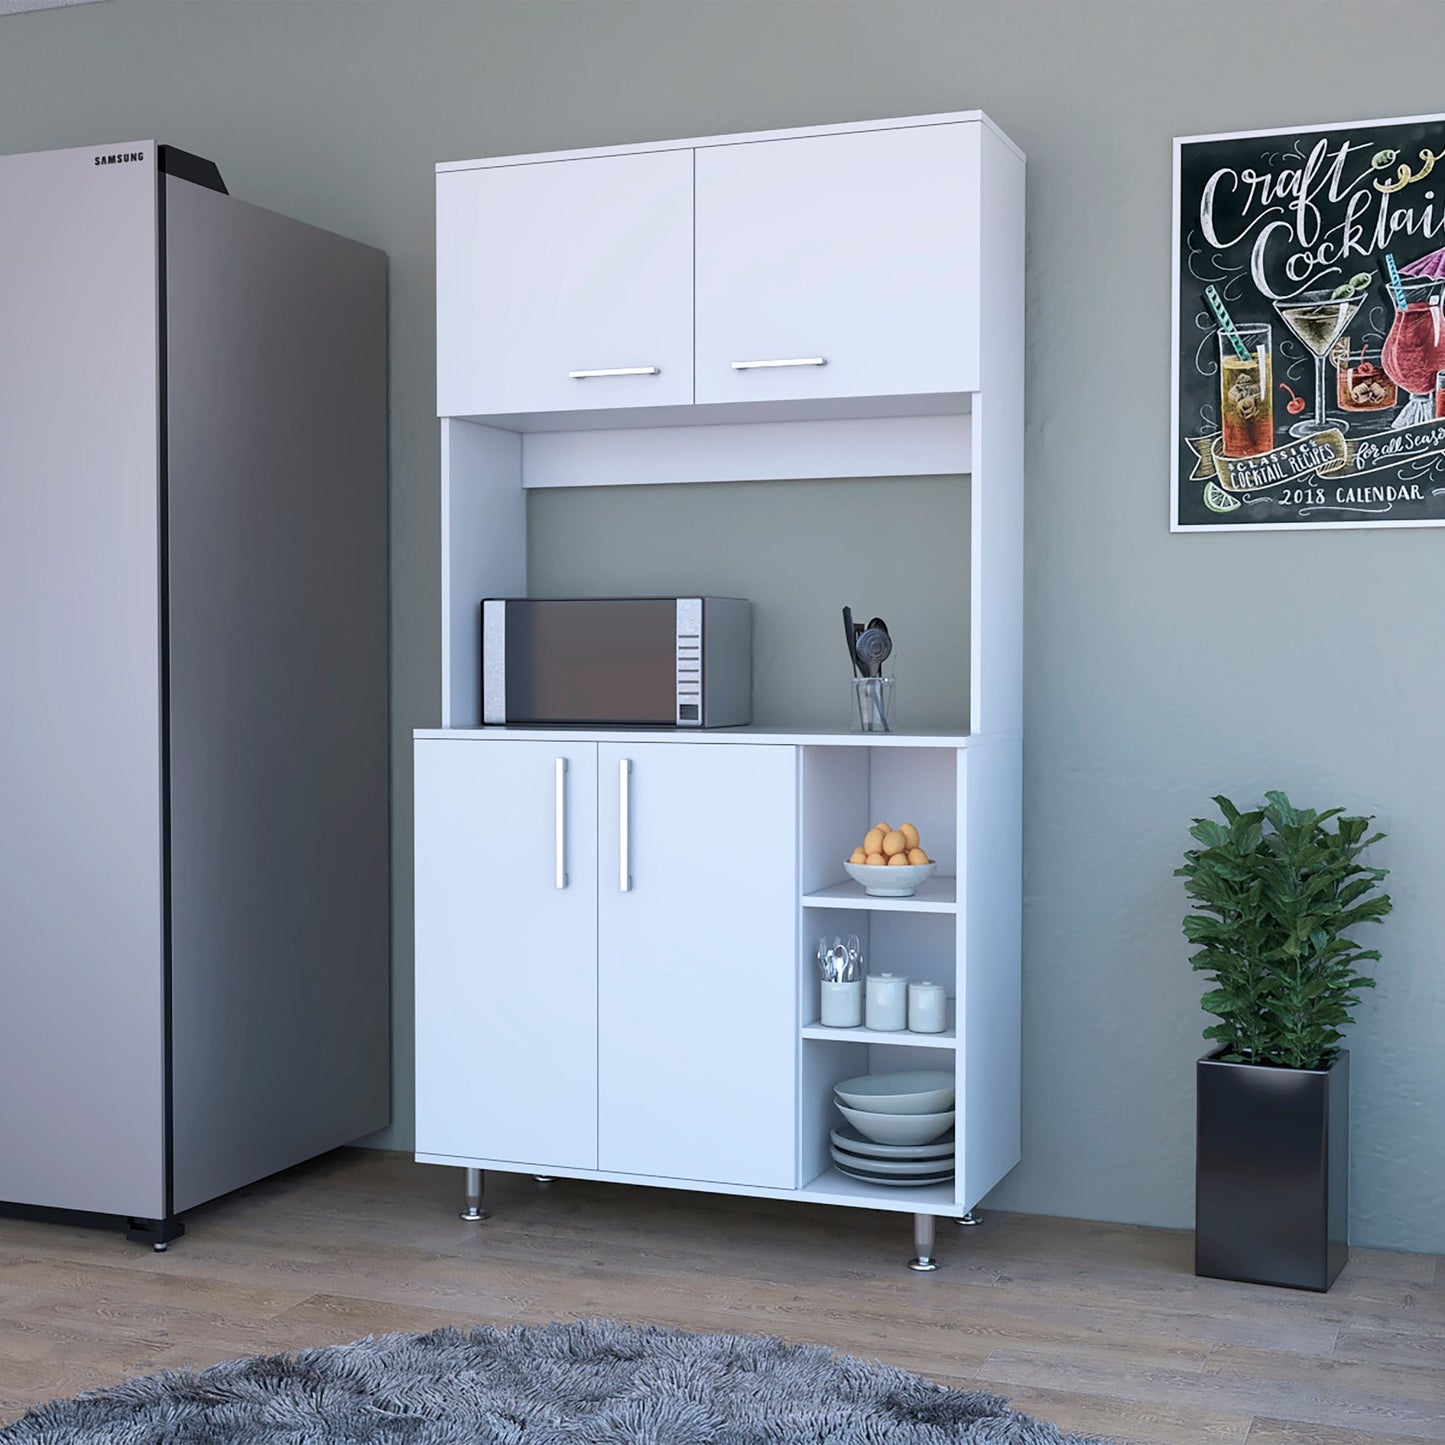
point(1308, 332)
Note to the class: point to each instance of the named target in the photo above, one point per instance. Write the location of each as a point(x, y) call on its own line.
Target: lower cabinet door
point(506, 951)
point(697, 918)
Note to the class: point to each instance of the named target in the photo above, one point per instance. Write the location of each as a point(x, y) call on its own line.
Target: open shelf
point(834, 1187)
point(934, 895)
point(902, 1038)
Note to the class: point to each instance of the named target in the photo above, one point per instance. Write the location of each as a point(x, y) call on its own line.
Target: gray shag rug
point(593, 1383)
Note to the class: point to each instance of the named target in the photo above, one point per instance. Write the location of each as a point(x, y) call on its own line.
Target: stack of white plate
point(900, 1127)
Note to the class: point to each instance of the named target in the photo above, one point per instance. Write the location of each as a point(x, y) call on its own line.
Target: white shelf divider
point(948, 1039)
point(938, 894)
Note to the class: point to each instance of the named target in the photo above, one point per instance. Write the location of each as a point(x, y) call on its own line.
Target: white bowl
point(847, 1138)
point(897, 1128)
point(890, 882)
point(904, 1091)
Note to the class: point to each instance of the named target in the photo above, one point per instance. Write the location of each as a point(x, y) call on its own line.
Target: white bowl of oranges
point(890, 862)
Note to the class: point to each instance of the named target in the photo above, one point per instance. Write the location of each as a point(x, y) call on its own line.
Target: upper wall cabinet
point(842, 265)
point(550, 273)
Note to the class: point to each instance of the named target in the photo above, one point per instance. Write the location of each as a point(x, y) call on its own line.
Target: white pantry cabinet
point(580, 997)
point(838, 265)
point(656, 1020)
point(548, 272)
point(683, 982)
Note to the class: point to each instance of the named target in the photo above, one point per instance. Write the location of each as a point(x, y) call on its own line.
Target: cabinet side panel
point(81, 1040)
point(996, 682)
point(989, 986)
point(484, 551)
point(279, 690)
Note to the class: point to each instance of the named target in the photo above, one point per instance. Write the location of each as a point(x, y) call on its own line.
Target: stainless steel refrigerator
point(194, 870)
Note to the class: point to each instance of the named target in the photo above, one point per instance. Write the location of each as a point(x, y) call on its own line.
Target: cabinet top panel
point(957, 117)
point(750, 734)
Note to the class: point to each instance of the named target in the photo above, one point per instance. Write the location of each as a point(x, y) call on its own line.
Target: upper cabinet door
point(857, 251)
point(558, 267)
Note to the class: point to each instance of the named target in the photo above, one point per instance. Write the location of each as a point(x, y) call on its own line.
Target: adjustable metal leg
point(474, 1213)
point(924, 1261)
point(543, 1178)
point(973, 1216)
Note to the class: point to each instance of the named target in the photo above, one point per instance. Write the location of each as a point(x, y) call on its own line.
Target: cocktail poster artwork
point(1309, 345)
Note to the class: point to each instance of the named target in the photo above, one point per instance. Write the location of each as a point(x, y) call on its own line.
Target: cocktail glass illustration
point(1246, 393)
point(1360, 384)
point(1318, 319)
point(1415, 348)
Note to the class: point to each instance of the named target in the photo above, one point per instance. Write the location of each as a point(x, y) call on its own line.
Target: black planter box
point(1271, 1184)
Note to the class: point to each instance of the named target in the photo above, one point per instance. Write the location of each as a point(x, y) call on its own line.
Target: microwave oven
point(617, 661)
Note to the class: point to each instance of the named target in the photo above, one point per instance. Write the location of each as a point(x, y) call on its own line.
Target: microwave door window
point(592, 662)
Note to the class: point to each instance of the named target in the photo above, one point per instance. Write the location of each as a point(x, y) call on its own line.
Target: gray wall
point(1160, 669)
point(798, 551)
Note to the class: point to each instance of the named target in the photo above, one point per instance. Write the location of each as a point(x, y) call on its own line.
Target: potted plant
point(1275, 894)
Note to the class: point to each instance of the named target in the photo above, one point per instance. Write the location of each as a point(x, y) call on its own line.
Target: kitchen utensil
point(836, 961)
point(890, 1168)
point(845, 1136)
point(898, 1128)
point(890, 882)
point(900, 1091)
point(851, 636)
point(875, 647)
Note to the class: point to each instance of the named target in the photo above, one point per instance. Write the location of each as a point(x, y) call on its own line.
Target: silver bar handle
point(624, 825)
point(781, 361)
point(615, 371)
point(560, 801)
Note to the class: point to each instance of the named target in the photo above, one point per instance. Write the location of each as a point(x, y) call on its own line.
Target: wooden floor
point(1101, 1328)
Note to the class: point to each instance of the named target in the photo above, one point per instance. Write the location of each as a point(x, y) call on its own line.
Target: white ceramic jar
point(927, 1008)
point(840, 1005)
point(887, 1002)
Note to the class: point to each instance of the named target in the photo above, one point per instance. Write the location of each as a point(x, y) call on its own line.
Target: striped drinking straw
point(1396, 285)
point(1226, 323)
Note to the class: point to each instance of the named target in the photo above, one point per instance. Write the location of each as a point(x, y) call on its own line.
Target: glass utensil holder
point(873, 705)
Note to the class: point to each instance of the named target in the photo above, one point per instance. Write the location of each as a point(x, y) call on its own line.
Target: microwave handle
point(624, 825)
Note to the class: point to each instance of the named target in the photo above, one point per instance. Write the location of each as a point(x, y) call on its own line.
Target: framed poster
point(1309, 346)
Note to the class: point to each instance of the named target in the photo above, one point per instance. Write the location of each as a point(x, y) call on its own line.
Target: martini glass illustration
point(1318, 319)
point(1415, 347)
